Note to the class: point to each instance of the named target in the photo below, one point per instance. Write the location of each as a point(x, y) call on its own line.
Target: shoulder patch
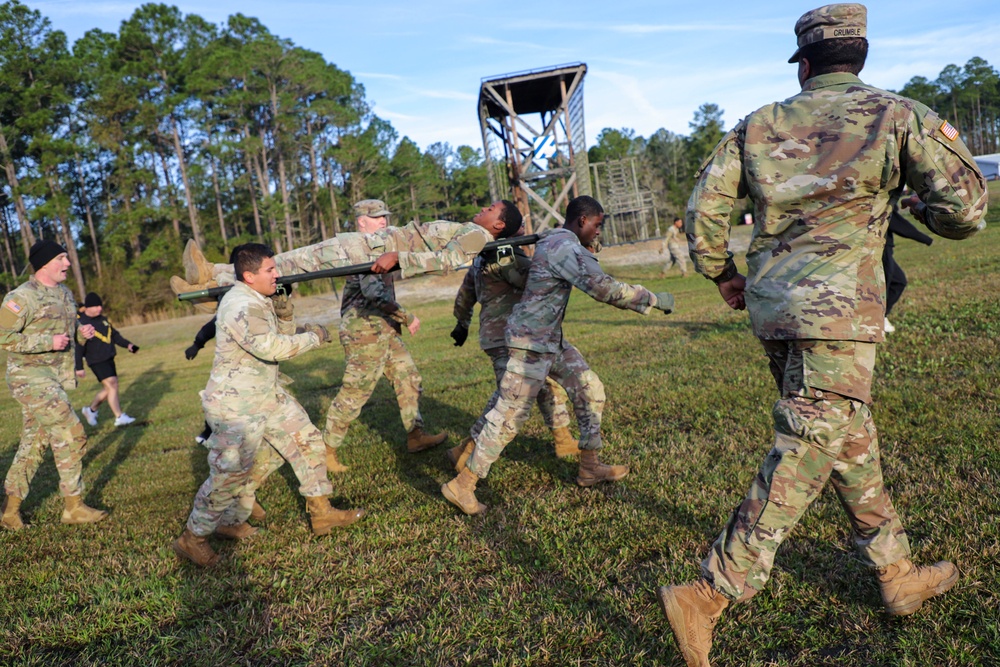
point(949, 131)
point(13, 307)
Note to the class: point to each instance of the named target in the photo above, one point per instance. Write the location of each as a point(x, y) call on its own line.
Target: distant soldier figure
point(538, 350)
point(37, 328)
point(371, 322)
point(99, 352)
point(675, 248)
point(496, 282)
point(822, 169)
point(246, 406)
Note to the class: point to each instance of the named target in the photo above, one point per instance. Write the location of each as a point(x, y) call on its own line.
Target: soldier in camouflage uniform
point(496, 281)
point(415, 248)
point(822, 169)
point(246, 406)
point(37, 329)
point(371, 324)
point(537, 350)
point(675, 248)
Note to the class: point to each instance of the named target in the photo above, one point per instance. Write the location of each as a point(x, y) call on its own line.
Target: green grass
point(552, 574)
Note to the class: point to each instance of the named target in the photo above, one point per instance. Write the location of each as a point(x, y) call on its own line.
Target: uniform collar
point(832, 79)
point(252, 292)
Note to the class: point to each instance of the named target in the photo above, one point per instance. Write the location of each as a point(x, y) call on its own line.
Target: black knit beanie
point(92, 300)
point(44, 252)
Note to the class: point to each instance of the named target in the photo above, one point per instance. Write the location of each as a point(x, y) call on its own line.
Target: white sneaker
point(200, 440)
point(887, 326)
point(89, 415)
point(123, 420)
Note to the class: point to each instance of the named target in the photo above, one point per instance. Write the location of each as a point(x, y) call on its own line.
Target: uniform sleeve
point(205, 334)
point(580, 267)
point(15, 313)
point(460, 250)
point(118, 339)
point(78, 352)
point(375, 289)
point(720, 182)
point(465, 300)
point(252, 330)
point(941, 171)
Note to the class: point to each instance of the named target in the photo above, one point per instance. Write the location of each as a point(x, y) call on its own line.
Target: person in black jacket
point(895, 279)
point(205, 334)
point(99, 351)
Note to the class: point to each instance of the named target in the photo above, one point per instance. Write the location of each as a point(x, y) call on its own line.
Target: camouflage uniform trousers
point(245, 448)
point(677, 255)
point(551, 397)
point(373, 351)
point(48, 419)
point(523, 378)
point(823, 430)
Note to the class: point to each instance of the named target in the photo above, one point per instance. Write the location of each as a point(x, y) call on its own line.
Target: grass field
point(552, 574)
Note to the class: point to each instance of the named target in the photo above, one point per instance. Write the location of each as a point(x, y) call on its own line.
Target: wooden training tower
point(534, 140)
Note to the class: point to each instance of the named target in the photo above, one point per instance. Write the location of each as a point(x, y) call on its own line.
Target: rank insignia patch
point(948, 130)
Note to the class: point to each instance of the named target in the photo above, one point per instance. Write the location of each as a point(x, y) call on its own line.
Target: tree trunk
point(62, 216)
point(90, 220)
point(171, 195)
point(27, 235)
point(333, 200)
point(192, 213)
point(315, 183)
point(218, 201)
point(253, 196)
point(5, 221)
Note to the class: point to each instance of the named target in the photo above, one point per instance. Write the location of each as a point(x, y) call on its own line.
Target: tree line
point(123, 145)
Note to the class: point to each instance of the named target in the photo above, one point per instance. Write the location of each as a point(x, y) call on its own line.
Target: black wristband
point(728, 273)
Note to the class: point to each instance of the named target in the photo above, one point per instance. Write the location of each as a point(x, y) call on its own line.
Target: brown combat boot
point(460, 453)
point(240, 531)
point(11, 514)
point(208, 305)
point(77, 512)
point(195, 549)
point(197, 269)
point(593, 471)
point(257, 513)
point(905, 586)
point(566, 444)
point(418, 441)
point(332, 464)
point(693, 610)
point(323, 516)
point(461, 492)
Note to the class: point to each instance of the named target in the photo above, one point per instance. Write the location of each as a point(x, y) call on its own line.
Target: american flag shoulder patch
point(13, 307)
point(949, 131)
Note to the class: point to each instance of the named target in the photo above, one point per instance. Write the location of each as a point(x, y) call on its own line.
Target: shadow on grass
point(46, 481)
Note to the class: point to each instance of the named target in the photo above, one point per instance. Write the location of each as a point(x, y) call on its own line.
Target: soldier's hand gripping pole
point(352, 270)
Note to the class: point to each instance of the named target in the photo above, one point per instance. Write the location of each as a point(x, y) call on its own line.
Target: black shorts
point(104, 370)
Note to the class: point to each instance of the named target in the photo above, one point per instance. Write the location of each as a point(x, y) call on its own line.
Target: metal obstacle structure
point(631, 211)
point(534, 140)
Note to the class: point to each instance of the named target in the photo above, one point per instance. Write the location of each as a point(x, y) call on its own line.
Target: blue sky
point(650, 63)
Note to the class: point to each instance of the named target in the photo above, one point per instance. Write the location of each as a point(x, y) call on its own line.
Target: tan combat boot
point(207, 305)
point(693, 610)
point(77, 512)
point(11, 514)
point(566, 444)
point(197, 269)
point(240, 531)
point(257, 513)
point(332, 464)
point(461, 492)
point(323, 516)
point(418, 441)
point(905, 586)
point(195, 549)
point(593, 471)
point(460, 453)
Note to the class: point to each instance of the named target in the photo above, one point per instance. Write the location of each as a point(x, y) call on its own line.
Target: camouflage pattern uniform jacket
point(820, 216)
point(497, 287)
point(370, 302)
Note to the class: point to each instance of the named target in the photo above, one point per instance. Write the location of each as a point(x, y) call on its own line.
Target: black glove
point(134, 348)
point(459, 334)
point(191, 352)
point(664, 302)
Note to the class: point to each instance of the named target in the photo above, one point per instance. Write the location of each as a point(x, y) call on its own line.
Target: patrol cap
point(840, 21)
point(373, 208)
